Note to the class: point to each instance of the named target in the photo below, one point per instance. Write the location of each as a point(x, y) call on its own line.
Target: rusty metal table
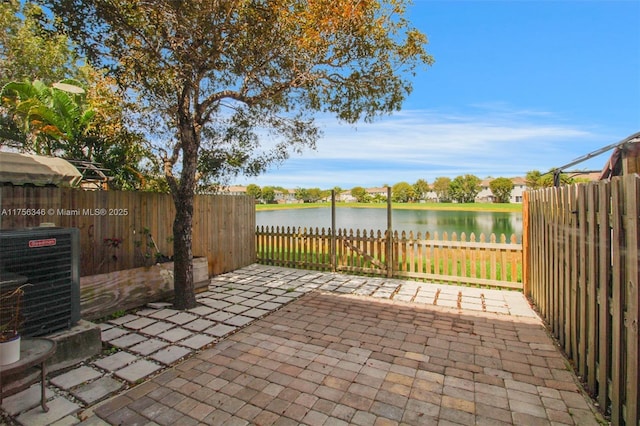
point(33, 351)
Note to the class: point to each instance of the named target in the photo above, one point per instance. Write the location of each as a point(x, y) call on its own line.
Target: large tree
point(402, 192)
point(501, 188)
point(237, 82)
point(463, 189)
point(421, 188)
point(441, 186)
point(360, 194)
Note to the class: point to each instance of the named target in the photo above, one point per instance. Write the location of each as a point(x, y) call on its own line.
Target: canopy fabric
point(21, 169)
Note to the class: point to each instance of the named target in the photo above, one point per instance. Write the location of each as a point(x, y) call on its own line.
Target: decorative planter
point(10, 351)
point(105, 294)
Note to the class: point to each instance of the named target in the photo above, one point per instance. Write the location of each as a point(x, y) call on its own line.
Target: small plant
point(148, 248)
point(112, 242)
point(10, 313)
point(117, 314)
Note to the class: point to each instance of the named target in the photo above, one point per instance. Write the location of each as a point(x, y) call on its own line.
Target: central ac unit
point(46, 262)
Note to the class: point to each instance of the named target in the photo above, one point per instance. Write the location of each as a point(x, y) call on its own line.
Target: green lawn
point(493, 207)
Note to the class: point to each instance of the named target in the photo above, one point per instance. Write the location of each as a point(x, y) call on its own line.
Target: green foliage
point(233, 86)
point(360, 194)
point(420, 188)
point(442, 188)
point(533, 179)
point(268, 194)
point(29, 48)
point(32, 51)
point(402, 192)
point(536, 180)
point(272, 66)
point(147, 249)
point(463, 189)
point(310, 195)
point(301, 194)
point(254, 191)
point(501, 188)
point(55, 121)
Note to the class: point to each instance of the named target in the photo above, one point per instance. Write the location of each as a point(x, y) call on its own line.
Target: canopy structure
point(25, 169)
point(626, 149)
point(624, 160)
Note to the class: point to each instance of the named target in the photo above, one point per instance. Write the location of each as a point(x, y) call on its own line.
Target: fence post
point(334, 263)
point(526, 247)
point(389, 260)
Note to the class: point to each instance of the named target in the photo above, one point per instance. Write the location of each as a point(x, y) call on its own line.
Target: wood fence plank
point(559, 267)
point(604, 294)
point(632, 270)
point(565, 283)
point(591, 262)
point(574, 267)
point(154, 211)
point(617, 302)
point(581, 271)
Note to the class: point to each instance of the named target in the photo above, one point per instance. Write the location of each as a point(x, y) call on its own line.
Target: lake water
point(431, 221)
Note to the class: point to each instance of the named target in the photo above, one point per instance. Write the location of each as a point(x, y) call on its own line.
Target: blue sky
point(516, 86)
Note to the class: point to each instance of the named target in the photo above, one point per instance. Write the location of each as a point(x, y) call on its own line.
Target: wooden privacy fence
point(124, 230)
point(582, 254)
point(429, 257)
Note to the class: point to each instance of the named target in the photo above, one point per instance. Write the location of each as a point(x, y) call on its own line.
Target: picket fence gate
point(493, 261)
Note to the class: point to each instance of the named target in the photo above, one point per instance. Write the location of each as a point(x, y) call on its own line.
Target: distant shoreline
point(486, 207)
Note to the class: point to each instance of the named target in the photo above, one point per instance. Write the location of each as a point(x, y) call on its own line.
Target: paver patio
point(337, 349)
point(334, 359)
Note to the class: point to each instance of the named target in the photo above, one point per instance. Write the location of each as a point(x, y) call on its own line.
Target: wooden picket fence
point(582, 256)
point(124, 230)
point(485, 262)
point(482, 261)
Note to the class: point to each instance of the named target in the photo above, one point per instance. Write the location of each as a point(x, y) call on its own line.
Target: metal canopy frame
point(634, 138)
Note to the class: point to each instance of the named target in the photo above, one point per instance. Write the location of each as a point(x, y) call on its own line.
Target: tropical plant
point(54, 119)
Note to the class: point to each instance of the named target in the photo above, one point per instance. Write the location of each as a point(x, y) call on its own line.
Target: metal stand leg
point(43, 380)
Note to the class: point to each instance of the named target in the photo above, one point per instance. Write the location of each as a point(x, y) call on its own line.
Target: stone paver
point(115, 361)
point(137, 371)
point(357, 350)
point(59, 407)
point(171, 354)
point(75, 377)
point(25, 400)
point(98, 390)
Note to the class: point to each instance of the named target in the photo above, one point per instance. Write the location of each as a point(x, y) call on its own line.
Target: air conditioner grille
point(48, 259)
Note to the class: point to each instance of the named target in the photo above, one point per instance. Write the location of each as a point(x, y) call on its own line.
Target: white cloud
point(424, 144)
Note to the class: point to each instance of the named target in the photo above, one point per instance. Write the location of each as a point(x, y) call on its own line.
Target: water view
point(431, 221)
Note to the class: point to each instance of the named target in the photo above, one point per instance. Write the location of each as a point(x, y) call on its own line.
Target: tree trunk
point(183, 197)
point(183, 287)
